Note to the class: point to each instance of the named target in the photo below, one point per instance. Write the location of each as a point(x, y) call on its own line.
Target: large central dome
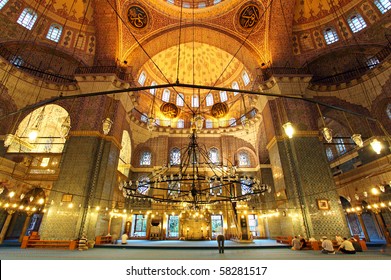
point(199, 64)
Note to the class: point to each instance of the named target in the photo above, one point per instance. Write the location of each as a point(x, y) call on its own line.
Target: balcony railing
point(119, 72)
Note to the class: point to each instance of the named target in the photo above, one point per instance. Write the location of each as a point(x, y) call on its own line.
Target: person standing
point(124, 238)
point(220, 243)
point(327, 246)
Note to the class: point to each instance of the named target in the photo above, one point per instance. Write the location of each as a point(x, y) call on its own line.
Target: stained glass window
point(383, 5)
point(244, 159)
point(2, 3)
point(146, 158)
point(54, 32)
point(175, 156)
point(180, 99)
point(214, 155)
point(209, 99)
point(330, 35)
point(356, 23)
point(223, 96)
point(27, 18)
point(166, 95)
point(142, 78)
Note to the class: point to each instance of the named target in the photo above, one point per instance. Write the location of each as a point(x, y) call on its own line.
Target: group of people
point(345, 246)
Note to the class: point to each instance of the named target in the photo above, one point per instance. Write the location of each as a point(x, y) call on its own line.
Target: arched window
point(175, 156)
point(341, 149)
point(45, 128)
point(223, 96)
point(330, 35)
point(143, 185)
point(214, 155)
point(54, 32)
point(232, 122)
point(186, 5)
point(246, 78)
point(180, 99)
point(2, 3)
point(209, 99)
point(235, 85)
point(142, 78)
point(201, 5)
point(356, 23)
point(329, 154)
point(245, 186)
point(146, 158)
point(383, 5)
point(180, 123)
point(153, 90)
point(166, 95)
point(216, 2)
point(208, 124)
point(125, 154)
point(195, 103)
point(244, 159)
point(171, 1)
point(216, 188)
point(388, 111)
point(27, 18)
point(174, 188)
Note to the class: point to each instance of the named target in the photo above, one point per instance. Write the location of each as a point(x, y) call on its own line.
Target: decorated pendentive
point(137, 17)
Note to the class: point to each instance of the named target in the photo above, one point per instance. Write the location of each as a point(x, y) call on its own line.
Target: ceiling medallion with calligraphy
point(219, 110)
point(249, 16)
point(137, 17)
point(169, 110)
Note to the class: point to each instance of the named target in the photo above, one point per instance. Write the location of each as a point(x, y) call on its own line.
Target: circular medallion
point(219, 110)
point(169, 110)
point(249, 16)
point(137, 17)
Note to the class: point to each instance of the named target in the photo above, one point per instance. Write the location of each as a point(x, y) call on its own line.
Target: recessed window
point(209, 99)
point(341, 149)
point(235, 85)
point(244, 158)
point(27, 18)
point(180, 99)
point(180, 123)
point(17, 61)
point(356, 23)
point(54, 32)
point(142, 78)
point(195, 103)
point(216, 2)
point(166, 95)
point(175, 156)
point(383, 5)
point(232, 122)
point(171, 1)
point(372, 62)
point(2, 3)
point(201, 5)
point(153, 90)
point(246, 78)
point(146, 158)
point(388, 111)
point(186, 5)
point(214, 155)
point(208, 124)
point(144, 118)
point(330, 35)
point(223, 96)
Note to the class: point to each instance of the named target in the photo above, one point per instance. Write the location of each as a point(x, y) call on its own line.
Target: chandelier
point(195, 182)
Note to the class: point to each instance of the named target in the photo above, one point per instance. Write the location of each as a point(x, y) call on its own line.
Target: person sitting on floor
point(356, 244)
point(346, 247)
point(296, 245)
point(339, 239)
point(327, 246)
point(303, 243)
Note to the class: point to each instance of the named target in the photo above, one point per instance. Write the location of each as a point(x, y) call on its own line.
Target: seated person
point(296, 245)
point(339, 239)
point(303, 243)
point(346, 247)
point(327, 246)
point(356, 245)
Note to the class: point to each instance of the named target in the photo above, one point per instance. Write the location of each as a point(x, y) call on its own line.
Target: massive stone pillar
point(304, 187)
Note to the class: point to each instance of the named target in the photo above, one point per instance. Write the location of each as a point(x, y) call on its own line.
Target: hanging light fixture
point(106, 125)
point(327, 132)
point(357, 140)
point(289, 129)
point(376, 146)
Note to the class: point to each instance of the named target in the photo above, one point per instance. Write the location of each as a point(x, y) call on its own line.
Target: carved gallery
point(188, 119)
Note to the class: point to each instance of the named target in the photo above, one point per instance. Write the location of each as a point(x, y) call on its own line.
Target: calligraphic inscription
point(137, 17)
point(249, 16)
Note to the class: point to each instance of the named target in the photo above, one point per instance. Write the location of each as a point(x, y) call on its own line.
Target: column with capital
point(6, 225)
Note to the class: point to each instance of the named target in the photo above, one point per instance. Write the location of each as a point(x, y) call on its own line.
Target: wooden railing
point(29, 242)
